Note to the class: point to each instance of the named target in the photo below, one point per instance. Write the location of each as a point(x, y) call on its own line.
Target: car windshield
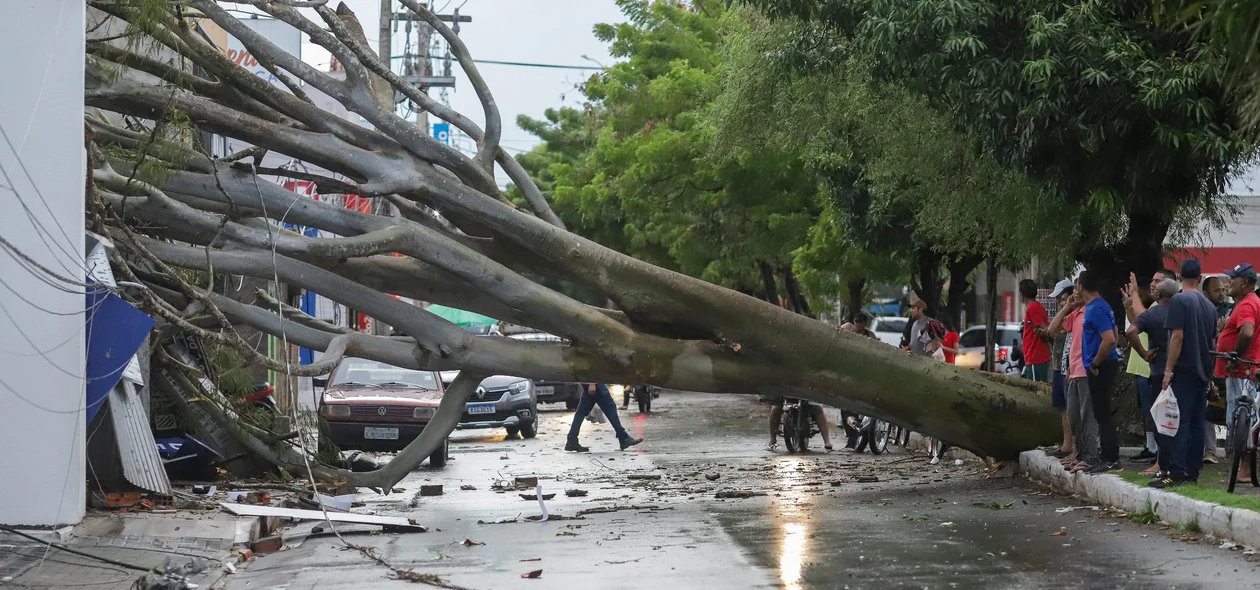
point(891, 325)
point(362, 372)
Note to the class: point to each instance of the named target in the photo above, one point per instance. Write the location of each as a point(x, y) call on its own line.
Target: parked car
point(971, 344)
point(889, 328)
point(500, 401)
point(374, 406)
point(552, 391)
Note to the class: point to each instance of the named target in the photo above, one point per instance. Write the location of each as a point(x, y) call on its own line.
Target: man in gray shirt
point(918, 340)
point(1191, 324)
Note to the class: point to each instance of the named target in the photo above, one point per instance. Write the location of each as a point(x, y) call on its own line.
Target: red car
point(374, 406)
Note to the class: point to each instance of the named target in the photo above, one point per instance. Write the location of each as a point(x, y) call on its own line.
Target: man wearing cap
point(919, 338)
point(1080, 413)
point(1191, 323)
point(1238, 336)
point(1059, 367)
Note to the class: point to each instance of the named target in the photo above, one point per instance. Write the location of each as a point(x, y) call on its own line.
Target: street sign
point(442, 132)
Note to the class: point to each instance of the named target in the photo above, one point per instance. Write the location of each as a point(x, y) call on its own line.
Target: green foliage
point(1233, 27)
point(1148, 515)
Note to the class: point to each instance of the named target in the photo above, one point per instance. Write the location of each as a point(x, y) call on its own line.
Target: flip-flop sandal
point(1079, 467)
point(828, 447)
point(772, 447)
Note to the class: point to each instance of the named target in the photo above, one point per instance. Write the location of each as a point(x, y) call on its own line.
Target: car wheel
point(438, 459)
point(512, 431)
point(529, 429)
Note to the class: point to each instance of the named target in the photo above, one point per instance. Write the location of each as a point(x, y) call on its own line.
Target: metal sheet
point(141, 464)
point(389, 521)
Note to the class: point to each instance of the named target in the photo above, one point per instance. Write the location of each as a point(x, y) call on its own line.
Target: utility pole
point(385, 42)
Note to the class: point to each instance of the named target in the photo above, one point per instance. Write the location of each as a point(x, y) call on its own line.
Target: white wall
point(41, 106)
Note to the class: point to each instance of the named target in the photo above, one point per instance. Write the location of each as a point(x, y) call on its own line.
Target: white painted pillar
point(41, 326)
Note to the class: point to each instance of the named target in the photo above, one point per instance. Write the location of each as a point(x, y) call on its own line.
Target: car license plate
point(378, 433)
point(544, 390)
point(475, 409)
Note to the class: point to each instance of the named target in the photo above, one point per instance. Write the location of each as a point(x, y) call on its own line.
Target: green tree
point(1092, 100)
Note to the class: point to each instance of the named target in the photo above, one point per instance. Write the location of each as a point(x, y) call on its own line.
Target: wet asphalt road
point(919, 526)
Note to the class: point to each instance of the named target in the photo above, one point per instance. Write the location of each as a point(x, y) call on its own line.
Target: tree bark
point(990, 327)
point(927, 284)
point(771, 288)
point(799, 305)
point(854, 302)
point(959, 269)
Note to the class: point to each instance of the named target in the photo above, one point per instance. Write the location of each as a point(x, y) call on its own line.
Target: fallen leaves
point(471, 543)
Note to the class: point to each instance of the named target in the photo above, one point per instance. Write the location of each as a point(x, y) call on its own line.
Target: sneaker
point(577, 448)
point(1104, 468)
point(1145, 455)
point(1209, 460)
point(629, 441)
point(1166, 482)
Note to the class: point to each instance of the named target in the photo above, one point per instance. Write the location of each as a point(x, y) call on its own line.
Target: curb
point(1236, 524)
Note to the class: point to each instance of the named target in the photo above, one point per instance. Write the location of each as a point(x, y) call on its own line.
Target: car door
point(971, 348)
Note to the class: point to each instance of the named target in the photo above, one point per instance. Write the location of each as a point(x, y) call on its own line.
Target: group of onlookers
point(1174, 327)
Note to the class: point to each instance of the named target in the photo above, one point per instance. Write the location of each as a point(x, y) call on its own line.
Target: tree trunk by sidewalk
point(990, 327)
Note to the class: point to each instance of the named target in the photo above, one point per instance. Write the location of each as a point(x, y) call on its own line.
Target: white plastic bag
point(1166, 413)
point(596, 416)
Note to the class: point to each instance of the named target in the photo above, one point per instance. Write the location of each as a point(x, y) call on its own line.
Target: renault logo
point(481, 392)
point(381, 411)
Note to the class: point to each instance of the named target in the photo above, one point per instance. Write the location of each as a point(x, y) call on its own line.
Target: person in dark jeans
point(1191, 323)
point(1102, 363)
point(598, 394)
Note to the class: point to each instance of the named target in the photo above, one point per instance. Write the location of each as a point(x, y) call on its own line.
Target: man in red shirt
point(1238, 336)
point(1036, 350)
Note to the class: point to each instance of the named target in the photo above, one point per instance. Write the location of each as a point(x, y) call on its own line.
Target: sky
point(534, 31)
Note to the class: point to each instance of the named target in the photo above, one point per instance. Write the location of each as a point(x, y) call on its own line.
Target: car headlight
point(519, 388)
point(422, 413)
point(336, 410)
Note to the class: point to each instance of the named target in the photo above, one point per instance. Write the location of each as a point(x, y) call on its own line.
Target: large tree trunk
point(668, 329)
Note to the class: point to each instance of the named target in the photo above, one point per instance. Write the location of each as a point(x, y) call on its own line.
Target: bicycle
point(1244, 426)
point(872, 433)
point(798, 425)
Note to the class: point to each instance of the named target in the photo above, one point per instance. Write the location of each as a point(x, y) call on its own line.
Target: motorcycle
point(872, 433)
point(643, 395)
point(798, 425)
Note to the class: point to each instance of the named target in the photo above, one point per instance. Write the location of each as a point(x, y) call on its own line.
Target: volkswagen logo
point(481, 392)
point(381, 411)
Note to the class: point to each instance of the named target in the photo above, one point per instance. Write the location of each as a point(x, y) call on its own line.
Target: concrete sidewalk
point(1236, 524)
point(138, 539)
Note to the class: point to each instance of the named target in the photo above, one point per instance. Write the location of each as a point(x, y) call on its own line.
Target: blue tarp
point(114, 332)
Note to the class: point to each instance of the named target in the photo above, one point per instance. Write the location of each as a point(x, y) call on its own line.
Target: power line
point(534, 65)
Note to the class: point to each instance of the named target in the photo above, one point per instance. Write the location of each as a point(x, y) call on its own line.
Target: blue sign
point(442, 132)
point(115, 330)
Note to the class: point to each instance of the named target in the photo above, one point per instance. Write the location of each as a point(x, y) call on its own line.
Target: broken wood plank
point(390, 522)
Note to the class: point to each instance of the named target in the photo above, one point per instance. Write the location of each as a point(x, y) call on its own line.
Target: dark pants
point(1146, 398)
point(1100, 401)
point(850, 432)
point(1185, 451)
point(606, 403)
point(1058, 391)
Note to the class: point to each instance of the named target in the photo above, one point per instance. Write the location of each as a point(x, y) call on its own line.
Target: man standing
point(1098, 354)
point(598, 394)
point(1036, 351)
point(1191, 323)
point(1080, 413)
point(1239, 337)
point(1153, 350)
point(1059, 368)
point(919, 338)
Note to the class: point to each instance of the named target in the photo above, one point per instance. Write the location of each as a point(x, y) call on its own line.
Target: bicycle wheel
point(789, 428)
point(1239, 430)
point(879, 437)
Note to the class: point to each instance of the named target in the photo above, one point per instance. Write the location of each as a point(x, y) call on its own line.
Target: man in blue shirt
point(1098, 353)
point(1191, 324)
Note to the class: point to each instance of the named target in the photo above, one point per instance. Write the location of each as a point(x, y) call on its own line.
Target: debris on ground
point(644, 476)
point(866, 479)
point(170, 577)
point(468, 487)
point(712, 476)
point(390, 523)
point(575, 493)
point(526, 482)
point(471, 543)
point(431, 490)
point(534, 575)
point(739, 494)
point(535, 496)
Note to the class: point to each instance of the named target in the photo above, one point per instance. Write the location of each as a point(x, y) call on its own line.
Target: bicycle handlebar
point(1233, 356)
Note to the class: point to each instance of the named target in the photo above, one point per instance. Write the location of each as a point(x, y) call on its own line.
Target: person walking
point(1239, 337)
point(597, 393)
point(1102, 363)
point(919, 336)
point(1149, 341)
point(1036, 349)
point(1191, 323)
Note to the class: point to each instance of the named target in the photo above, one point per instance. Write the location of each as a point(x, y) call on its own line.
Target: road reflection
point(793, 543)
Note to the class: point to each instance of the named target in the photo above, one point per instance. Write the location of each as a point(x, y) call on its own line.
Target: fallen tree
point(461, 243)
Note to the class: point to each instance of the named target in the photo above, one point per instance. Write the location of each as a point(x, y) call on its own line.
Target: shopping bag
point(596, 416)
point(1166, 414)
